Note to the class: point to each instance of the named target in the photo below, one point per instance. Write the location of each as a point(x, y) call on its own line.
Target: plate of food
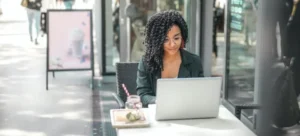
point(128, 118)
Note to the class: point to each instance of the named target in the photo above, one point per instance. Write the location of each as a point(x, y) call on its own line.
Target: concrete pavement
point(69, 108)
point(26, 108)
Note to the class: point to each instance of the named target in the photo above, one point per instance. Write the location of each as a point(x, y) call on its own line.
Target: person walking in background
point(1, 12)
point(68, 3)
point(33, 8)
point(116, 25)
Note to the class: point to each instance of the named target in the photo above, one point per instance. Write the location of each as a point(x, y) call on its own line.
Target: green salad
point(133, 116)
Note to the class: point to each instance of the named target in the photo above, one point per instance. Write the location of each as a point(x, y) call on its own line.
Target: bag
point(286, 109)
point(24, 3)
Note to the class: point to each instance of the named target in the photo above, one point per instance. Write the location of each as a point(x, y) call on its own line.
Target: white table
point(226, 124)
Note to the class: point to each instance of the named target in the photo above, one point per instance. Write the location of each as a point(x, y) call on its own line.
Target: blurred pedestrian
point(68, 3)
point(116, 25)
point(33, 8)
point(1, 12)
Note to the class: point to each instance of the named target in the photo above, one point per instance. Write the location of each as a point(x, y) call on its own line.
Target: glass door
point(110, 36)
point(241, 54)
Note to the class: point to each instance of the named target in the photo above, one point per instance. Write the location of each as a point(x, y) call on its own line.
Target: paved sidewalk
point(26, 108)
point(69, 108)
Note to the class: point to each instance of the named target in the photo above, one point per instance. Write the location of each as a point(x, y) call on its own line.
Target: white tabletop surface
point(226, 124)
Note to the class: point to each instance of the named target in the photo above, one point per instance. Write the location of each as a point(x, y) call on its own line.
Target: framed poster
point(70, 45)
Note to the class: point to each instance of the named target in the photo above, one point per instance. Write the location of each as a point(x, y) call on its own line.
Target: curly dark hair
point(155, 33)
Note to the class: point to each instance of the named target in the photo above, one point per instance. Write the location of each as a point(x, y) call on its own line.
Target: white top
point(226, 124)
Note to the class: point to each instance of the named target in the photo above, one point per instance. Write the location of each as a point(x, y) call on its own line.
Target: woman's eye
point(177, 38)
point(166, 40)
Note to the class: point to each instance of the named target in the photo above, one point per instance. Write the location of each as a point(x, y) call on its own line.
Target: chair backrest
point(126, 74)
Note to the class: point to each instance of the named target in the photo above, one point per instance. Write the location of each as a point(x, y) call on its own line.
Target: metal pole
point(47, 80)
point(206, 36)
point(124, 33)
point(266, 26)
point(97, 17)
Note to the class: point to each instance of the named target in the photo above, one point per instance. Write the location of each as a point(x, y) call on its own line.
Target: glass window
point(112, 36)
point(218, 38)
point(242, 44)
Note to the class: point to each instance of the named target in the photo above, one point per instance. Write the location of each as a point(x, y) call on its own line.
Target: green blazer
point(146, 81)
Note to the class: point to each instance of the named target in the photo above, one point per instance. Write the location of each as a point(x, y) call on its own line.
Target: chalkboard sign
point(236, 13)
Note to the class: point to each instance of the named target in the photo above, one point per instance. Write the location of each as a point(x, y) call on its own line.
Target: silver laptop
point(188, 98)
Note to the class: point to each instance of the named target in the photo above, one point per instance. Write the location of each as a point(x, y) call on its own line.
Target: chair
point(126, 74)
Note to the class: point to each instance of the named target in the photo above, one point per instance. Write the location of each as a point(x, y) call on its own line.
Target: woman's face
point(173, 41)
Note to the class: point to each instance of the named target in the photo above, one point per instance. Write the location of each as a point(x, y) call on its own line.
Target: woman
point(1, 7)
point(34, 15)
point(166, 34)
